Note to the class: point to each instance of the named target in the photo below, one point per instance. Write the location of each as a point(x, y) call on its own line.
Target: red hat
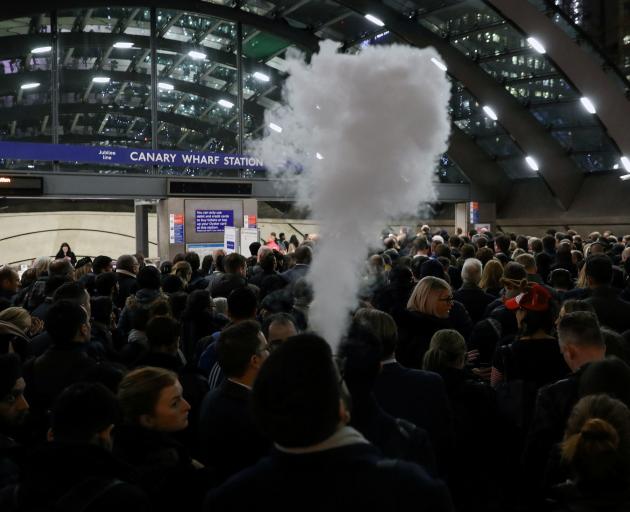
point(535, 299)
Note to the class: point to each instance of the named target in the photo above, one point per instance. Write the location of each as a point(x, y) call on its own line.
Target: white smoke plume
point(363, 133)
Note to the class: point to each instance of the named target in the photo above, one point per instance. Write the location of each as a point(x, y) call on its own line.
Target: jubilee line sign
point(125, 156)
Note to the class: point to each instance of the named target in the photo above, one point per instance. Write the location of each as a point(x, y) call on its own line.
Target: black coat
point(352, 477)
point(59, 472)
point(127, 285)
point(611, 310)
point(419, 397)
point(474, 299)
point(225, 284)
point(229, 439)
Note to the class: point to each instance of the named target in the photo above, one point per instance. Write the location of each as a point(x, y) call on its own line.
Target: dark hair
point(63, 320)
point(303, 255)
point(467, 251)
point(172, 284)
point(100, 263)
point(102, 309)
point(236, 346)
point(535, 320)
point(166, 268)
point(610, 376)
point(561, 278)
point(162, 331)
point(580, 328)
point(82, 410)
point(234, 262)
point(572, 305)
point(484, 254)
point(536, 245)
point(70, 291)
point(104, 283)
point(193, 259)
point(280, 318)
point(242, 303)
point(597, 443)
point(599, 269)
point(253, 248)
point(521, 242)
point(359, 360)
point(381, 325)
point(502, 242)
point(549, 243)
point(268, 262)
point(149, 277)
point(198, 302)
point(60, 268)
point(177, 302)
point(206, 264)
point(54, 282)
point(180, 256)
point(296, 394)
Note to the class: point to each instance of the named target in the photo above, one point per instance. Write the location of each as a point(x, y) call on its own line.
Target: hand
point(472, 356)
point(483, 373)
point(37, 326)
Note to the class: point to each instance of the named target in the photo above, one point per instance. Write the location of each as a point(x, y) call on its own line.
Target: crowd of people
point(480, 371)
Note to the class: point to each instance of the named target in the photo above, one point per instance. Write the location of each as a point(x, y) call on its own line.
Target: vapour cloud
point(363, 134)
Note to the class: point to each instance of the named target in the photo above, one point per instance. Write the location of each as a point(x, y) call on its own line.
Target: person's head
point(149, 278)
point(382, 325)
point(560, 279)
point(278, 327)
point(102, 264)
point(296, 398)
point(254, 247)
point(535, 309)
point(359, 361)
point(502, 244)
point(172, 284)
point(610, 376)
point(471, 271)
point(180, 256)
point(580, 339)
point(199, 301)
point(491, 275)
point(303, 255)
point(29, 276)
point(596, 444)
point(67, 322)
point(19, 317)
point(599, 271)
point(128, 263)
point(268, 263)
point(193, 259)
point(432, 268)
point(65, 248)
point(447, 350)
point(41, 265)
point(234, 263)
point(549, 243)
point(163, 334)
point(13, 405)
point(177, 303)
point(528, 261)
point(9, 279)
point(484, 254)
point(102, 308)
point(166, 267)
point(61, 267)
point(242, 304)
point(206, 264)
point(513, 279)
point(242, 350)
point(431, 296)
point(183, 270)
point(153, 398)
point(74, 292)
point(84, 413)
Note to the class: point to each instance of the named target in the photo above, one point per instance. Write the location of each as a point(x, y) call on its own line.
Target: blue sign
point(213, 221)
point(125, 156)
point(230, 244)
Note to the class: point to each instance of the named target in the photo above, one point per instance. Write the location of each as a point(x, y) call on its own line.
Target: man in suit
point(474, 299)
point(419, 397)
point(303, 258)
point(229, 439)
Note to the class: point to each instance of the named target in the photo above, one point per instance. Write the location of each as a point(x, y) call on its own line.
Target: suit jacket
point(474, 299)
point(419, 397)
point(229, 439)
point(611, 310)
point(295, 273)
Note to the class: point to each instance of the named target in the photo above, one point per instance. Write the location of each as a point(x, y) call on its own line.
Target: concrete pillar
point(142, 226)
point(462, 217)
point(475, 215)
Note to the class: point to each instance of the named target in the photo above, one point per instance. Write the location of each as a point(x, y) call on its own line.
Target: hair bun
point(596, 429)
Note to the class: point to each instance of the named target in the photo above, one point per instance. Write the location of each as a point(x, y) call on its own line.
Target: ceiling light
point(319, 156)
point(533, 164)
point(439, 64)
point(41, 49)
point(226, 103)
point(626, 163)
point(616, 166)
point(123, 45)
point(261, 76)
point(165, 87)
point(101, 79)
point(196, 55)
point(490, 112)
point(588, 104)
point(625, 177)
point(374, 20)
point(536, 45)
point(30, 85)
point(31, 166)
point(275, 127)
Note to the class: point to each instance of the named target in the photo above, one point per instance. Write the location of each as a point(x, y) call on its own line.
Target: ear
point(147, 421)
point(344, 413)
point(50, 436)
point(105, 436)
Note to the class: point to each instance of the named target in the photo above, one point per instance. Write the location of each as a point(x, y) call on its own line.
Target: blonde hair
point(41, 265)
point(18, 317)
point(183, 270)
point(423, 299)
point(82, 270)
point(491, 275)
point(446, 350)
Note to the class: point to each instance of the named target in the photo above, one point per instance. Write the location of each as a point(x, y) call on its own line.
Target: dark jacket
point(419, 397)
point(127, 285)
point(198, 281)
point(569, 497)
point(293, 274)
point(611, 310)
point(225, 284)
point(352, 477)
point(474, 299)
point(60, 474)
point(143, 298)
point(164, 467)
point(229, 439)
